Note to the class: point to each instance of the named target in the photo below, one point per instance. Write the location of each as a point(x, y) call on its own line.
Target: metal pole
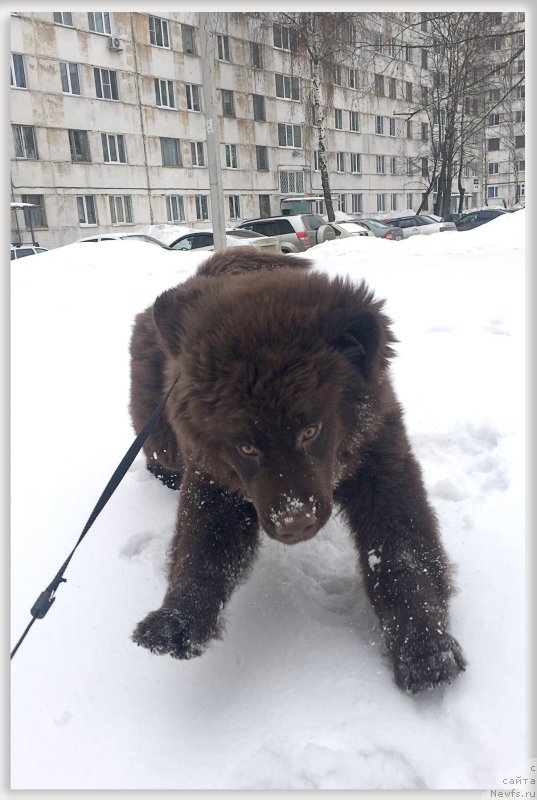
point(207, 42)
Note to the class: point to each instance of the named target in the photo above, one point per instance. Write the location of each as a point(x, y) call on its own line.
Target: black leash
point(46, 598)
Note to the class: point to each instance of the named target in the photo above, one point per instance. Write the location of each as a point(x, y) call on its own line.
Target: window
point(439, 80)
point(228, 103)
point(379, 125)
point(198, 154)
point(259, 107)
point(158, 32)
point(262, 157)
point(338, 75)
point(493, 168)
point(189, 42)
point(393, 202)
point(231, 156)
point(425, 96)
point(113, 148)
point(356, 162)
point(392, 48)
point(353, 34)
point(379, 85)
point(424, 167)
point(391, 88)
point(192, 97)
point(381, 166)
point(521, 189)
point(521, 166)
point(234, 206)
point(340, 162)
point(338, 119)
point(87, 214)
point(264, 205)
point(175, 208)
point(493, 119)
point(164, 93)
point(63, 18)
point(202, 206)
point(222, 42)
point(424, 131)
point(256, 59)
point(354, 121)
point(408, 53)
point(287, 87)
point(106, 84)
point(393, 165)
point(99, 22)
point(423, 21)
point(408, 91)
point(495, 95)
point(494, 18)
point(34, 217)
point(381, 202)
point(289, 135)
point(79, 146)
point(378, 42)
point(121, 209)
point(424, 58)
point(493, 144)
point(520, 141)
point(357, 203)
point(69, 77)
point(283, 37)
point(291, 182)
point(520, 116)
point(18, 73)
point(494, 43)
point(520, 92)
point(25, 143)
point(391, 121)
point(171, 152)
point(409, 200)
point(409, 129)
point(409, 167)
point(341, 203)
point(354, 81)
point(492, 192)
point(316, 161)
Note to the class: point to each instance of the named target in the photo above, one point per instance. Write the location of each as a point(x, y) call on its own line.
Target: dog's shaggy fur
point(283, 408)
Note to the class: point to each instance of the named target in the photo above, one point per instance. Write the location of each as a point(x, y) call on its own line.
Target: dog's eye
point(309, 433)
point(248, 450)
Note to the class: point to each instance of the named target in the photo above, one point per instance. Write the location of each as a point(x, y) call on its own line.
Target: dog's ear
point(168, 313)
point(364, 334)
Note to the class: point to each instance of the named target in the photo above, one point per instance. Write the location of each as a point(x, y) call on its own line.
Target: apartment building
point(109, 130)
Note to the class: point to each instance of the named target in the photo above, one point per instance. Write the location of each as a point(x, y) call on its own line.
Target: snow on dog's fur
point(283, 408)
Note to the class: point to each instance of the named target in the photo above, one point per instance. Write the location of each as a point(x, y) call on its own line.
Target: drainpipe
point(138, 98)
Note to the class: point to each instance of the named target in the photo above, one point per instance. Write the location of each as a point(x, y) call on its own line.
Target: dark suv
point(476, 218)
point(295, 233)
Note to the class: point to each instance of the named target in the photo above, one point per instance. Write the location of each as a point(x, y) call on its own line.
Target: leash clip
point(44, 601)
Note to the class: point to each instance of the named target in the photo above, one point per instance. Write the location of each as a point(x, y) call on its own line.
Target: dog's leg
point(214, 544)
point(407, 572)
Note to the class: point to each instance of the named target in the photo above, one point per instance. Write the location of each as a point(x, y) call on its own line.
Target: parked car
point(204, 240)
point(343, 228)
point(381, 229)
point(419, 224)
point(105, 237)
point(295, 233)
point(22, 250)
point(476, 218)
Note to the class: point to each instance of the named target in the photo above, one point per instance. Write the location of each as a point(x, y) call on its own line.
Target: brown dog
point(283, 407)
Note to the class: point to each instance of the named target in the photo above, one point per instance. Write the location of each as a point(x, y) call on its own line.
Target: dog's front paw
point(165, 631)
point(426, 661)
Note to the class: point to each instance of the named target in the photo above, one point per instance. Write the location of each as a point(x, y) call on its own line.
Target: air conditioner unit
point(115, 43)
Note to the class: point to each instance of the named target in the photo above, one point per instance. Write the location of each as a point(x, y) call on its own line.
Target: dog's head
point(281, 378)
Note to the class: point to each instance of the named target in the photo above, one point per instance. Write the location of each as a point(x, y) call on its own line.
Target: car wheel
point(324, 234)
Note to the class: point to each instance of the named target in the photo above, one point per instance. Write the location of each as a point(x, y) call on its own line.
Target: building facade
point(109, 127)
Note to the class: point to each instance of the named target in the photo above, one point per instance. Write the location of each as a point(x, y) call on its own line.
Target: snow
point(299, 693)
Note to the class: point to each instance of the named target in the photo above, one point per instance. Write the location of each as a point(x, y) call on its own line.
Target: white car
point(414, 224)
point(135, 237)
point(22, 250)
point(345, 228)
point(204, 240)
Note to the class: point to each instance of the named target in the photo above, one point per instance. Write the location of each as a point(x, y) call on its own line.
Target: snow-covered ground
point(299, 694)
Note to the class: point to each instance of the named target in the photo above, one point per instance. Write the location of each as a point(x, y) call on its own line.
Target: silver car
point(296, 232)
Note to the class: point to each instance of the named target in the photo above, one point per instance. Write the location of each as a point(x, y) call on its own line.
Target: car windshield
point(374, 223)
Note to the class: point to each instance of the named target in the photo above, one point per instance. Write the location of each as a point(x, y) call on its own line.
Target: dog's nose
point(297, 527)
